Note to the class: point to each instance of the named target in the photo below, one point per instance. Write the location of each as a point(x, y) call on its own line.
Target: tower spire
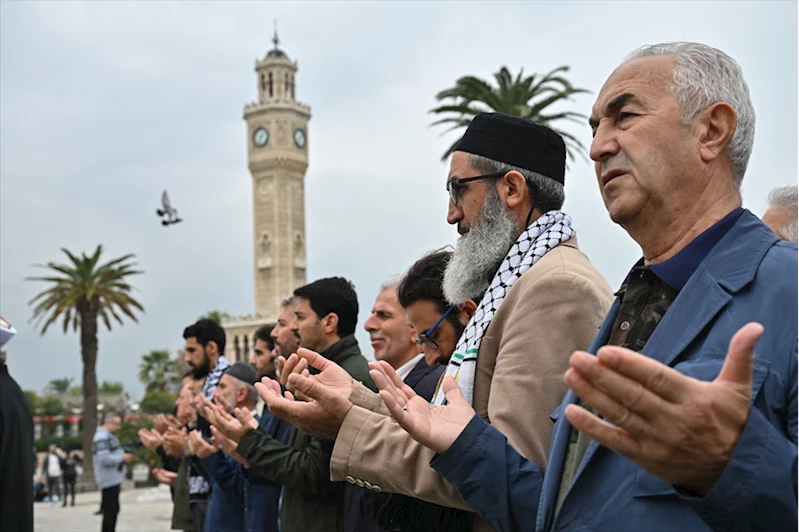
point(275, 39)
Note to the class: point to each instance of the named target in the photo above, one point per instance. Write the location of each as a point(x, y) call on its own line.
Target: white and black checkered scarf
point(543, 235)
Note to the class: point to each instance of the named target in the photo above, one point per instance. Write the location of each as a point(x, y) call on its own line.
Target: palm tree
point(528, 97)
point(80, 292)
point(157, 369)
point(59, 386)
point(215, 315)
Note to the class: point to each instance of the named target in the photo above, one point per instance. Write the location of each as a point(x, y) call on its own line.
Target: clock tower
point(277, 154)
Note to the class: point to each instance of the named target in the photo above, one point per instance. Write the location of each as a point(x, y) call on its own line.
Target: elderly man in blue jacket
point(683, 416)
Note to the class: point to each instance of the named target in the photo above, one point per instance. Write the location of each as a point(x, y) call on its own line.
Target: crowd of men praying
point(512, 387)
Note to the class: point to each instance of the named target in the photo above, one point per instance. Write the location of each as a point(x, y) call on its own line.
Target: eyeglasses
point(454, 184)
point(425, 338)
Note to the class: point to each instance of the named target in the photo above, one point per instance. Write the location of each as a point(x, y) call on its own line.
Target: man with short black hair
point(437, 323)
point(263, 356)
point(204, 353)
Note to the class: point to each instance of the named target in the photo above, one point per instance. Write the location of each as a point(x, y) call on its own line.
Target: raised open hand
point(228, 446)
point(174, 441)
point(199, 447)
point(436, 427)
point(676, 427)
point(320, 415)
point(150, 438)
point(330, 375)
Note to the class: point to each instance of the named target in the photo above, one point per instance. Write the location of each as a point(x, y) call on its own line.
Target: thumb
point(313, 358)
point(453, 392)
point(737, 368)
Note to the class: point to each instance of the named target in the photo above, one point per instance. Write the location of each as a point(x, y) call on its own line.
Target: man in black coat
point(16, 442)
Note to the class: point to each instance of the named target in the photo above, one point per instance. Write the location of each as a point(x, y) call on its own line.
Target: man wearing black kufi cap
point(240, 499)
point(540, 300)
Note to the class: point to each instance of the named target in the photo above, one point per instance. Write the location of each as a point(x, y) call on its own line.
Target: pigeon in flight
point(168, 211)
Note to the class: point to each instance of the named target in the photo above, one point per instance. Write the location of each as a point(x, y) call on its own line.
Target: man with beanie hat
point(540, 299)
point(16, 442)
point(230, 495)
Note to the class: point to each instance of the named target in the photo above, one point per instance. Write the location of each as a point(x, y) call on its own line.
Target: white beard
point(479, 252)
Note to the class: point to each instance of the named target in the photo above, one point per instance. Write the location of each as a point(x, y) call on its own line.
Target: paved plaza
point(138, 514)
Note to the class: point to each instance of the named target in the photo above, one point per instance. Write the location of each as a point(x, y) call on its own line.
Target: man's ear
point(330, 323)
point(467, 310)
point(212, 348)
point(512, 188)
point(716, 125)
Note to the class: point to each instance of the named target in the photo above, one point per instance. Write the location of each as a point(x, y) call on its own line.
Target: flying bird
point(167, 210)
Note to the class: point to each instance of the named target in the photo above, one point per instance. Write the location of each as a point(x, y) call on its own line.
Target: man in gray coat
point(109, 468)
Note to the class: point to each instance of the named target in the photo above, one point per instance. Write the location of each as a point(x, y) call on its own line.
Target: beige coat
point(553, 309)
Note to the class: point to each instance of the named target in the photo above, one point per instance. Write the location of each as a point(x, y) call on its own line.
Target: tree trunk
point(88, 348)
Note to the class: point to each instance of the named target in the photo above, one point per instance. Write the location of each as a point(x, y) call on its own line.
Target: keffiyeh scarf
point(543, 235)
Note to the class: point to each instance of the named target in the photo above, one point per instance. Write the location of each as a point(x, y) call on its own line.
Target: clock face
point(260, 137)
point(299, 138)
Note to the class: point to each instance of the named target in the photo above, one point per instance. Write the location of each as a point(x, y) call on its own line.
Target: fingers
point(608, 407)
point(627, 395)
point(607, 435)
point(311, 388)
point(267, 388)
point(388, 388)
point(245, 417)
point(288, 369)
point(314, 359)
point(299, 369)
point(658, 378)
point(396, 379)
point(737, 368)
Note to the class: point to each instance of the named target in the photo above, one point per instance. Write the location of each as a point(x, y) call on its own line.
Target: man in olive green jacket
point(324, 318)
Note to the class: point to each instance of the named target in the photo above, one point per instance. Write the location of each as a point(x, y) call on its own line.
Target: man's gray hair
point(289, 302)
point(252, 394)
point(786, 198)
point(391, 282)
point(108, 416)
point(546, 193)
point(703, 76)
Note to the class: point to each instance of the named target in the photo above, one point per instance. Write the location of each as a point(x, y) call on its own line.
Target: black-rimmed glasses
point(426, 338)
point(454, 184)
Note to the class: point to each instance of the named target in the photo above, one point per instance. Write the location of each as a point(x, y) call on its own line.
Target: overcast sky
point(105, 104)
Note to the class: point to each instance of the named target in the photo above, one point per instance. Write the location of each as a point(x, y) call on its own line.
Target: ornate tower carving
point(277, 152)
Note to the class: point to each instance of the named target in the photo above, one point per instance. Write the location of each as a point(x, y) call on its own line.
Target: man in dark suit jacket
point(393, 341)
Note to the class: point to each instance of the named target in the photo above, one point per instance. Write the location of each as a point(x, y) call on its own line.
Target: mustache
point(377, 336)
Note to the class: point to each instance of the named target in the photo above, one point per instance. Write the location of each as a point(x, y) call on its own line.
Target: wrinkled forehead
point(644, 77)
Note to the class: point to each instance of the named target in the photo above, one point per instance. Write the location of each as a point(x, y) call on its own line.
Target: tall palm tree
point(156, 369)
point(525, 96)
point(80, 292)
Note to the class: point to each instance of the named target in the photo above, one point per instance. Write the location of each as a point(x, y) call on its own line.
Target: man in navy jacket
point(686, 418)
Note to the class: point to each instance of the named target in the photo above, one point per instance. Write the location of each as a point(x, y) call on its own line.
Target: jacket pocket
point(704, 368)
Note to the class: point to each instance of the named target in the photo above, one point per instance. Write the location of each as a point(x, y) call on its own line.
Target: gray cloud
point(105, 104)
